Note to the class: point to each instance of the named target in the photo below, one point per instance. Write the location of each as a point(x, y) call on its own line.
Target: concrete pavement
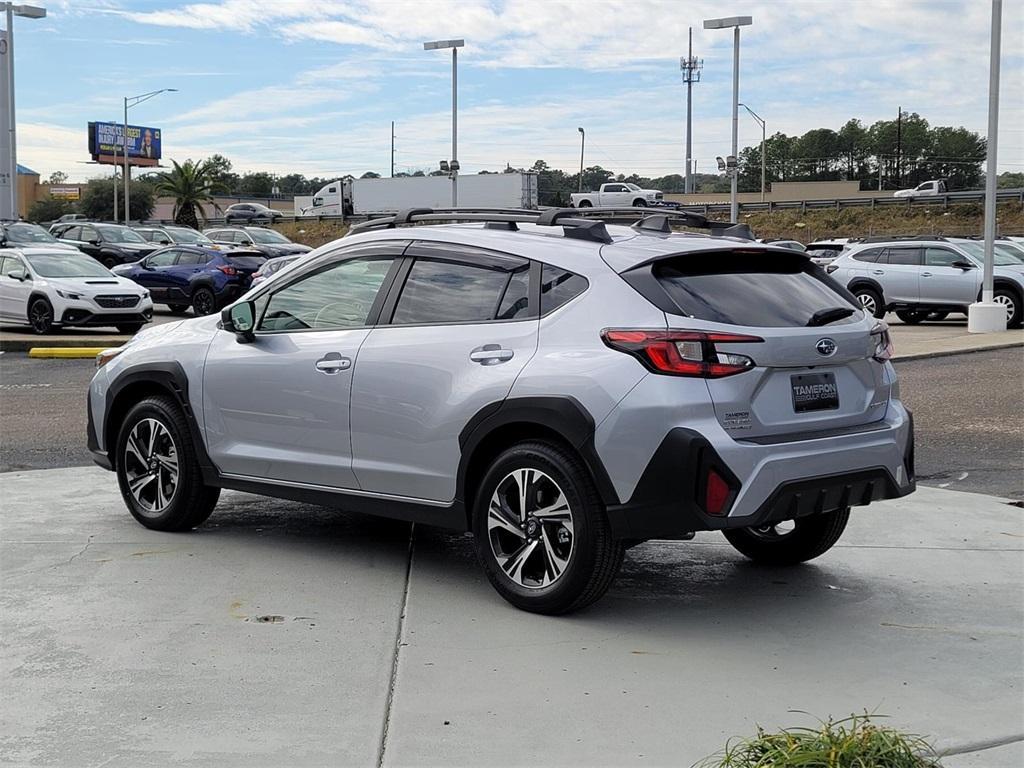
point(282, 634)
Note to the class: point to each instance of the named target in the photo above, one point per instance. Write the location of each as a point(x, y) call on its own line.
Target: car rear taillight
point(716, 494)
point(228, 270)
point(882, 341)
point(682, 353)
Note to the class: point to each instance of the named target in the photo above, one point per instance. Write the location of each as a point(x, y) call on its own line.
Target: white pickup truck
point(616, 194)
point(925, 189)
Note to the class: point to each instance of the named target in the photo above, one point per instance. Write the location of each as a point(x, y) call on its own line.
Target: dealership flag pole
point(124, 147)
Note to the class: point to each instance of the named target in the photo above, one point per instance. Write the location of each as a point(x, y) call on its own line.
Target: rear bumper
point(779, 481)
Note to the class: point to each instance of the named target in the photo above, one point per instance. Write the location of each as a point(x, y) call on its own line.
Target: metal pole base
point(986, 317)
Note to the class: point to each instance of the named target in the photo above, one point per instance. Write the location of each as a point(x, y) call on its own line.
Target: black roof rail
point(578, 223)
point(903, 238)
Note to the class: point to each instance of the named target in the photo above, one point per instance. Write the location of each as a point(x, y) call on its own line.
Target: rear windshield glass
point(246, 262)
point(765, 290)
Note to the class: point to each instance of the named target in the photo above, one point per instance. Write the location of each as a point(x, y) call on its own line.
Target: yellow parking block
point(66, 353)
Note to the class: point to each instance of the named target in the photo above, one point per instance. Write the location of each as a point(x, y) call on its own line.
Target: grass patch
point(312, 233)
point(854, 742)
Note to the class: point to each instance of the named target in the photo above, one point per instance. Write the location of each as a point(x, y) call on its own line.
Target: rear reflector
point(717, 493)
point(682, 353)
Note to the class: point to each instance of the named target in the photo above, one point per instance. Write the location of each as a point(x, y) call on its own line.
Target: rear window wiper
point(830, 315)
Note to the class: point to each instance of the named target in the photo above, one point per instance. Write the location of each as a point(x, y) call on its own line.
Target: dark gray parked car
point(250, 213)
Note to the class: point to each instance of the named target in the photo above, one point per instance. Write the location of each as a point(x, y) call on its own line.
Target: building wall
point(28, 184)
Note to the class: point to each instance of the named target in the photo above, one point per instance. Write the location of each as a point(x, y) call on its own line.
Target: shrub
point(48, 210)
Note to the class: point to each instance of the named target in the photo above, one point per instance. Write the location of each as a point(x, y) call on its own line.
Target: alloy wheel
point(1008, 305)
point(867, 301)
point(530, 528)
point(203, 302)
point(151, 466)
point(41, 317)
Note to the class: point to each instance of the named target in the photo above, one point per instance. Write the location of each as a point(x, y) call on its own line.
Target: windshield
point(632, 187)
point(186, 235)
point(28, 233)
point(120, 235)
point(267, 236)
point(1004, 255)
point(70, 265)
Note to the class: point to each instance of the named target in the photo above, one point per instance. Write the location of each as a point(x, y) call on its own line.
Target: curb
point(951, 352)
point(66, 353)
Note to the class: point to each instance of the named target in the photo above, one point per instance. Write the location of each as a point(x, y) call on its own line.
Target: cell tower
point(691, 68)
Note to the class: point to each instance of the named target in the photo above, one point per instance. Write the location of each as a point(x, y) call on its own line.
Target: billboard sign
point(107, 140)
point(65, 193)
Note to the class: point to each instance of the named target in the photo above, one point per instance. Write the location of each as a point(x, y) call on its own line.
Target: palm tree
point(192, 185)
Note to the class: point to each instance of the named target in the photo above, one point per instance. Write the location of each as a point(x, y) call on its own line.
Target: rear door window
point(190, 258)
point(870, 255)
point(905, 256)
point(746, 289)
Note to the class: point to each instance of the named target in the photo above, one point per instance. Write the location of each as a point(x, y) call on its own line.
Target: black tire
point(585, 204)
point(593, 557)
point(870, 301)
point(203, 301)
point(809, 538)
point(937, 316)
point(178, 309)
point(110, 263)
point(911, 316)
point(129, 328)
point(1012, 301)
point(191, 501)
point(40, 316)
point(639, 203)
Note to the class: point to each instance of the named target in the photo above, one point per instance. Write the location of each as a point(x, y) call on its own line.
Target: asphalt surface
point(967, 414)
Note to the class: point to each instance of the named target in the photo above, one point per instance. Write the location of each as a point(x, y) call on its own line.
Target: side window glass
point(515, 304)
point(870, 255)
point(558, 286)
point(88, 235)
point(162, 259)
point(941, 257)
point(338, 296)
point(72, 233)
point(905, 256)
point(189, 258)
point(450, 292)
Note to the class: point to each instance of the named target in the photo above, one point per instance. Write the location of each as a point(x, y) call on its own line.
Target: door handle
point(491, 354)
point(877, 271)
point(332, 363)
point(926, 274)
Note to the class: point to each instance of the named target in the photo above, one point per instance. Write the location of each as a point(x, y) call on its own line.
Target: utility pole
point(691, 68)
point(583, 141)
point(392, 149)
point(899, 148)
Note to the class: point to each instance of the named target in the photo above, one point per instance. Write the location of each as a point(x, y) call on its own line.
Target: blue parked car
point(203, 277)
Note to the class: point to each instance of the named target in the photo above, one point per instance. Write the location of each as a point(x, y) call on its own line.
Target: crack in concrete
point(80, 552)
point(981, 746)
point(399, 636)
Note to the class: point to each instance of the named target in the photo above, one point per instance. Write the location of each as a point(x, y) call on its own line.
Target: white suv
point(925, 278)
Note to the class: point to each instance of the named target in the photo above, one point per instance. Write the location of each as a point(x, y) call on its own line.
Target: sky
point(311, 86)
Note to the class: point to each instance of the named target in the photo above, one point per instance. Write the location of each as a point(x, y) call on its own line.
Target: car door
point(942, 283)
point(90, 241)
point(154, 272)
point(456, 331)
point(901, 272)
point(278, 408)
point(14, 293)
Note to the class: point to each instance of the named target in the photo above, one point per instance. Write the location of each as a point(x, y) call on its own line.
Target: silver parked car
point(926, 278)
point(560, 386)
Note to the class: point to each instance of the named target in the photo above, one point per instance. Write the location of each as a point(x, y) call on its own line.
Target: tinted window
point(162, 259)
point(740, 289)
point(558, 286)
point(904, 256)
point(72, 233)
point(450, 292)
point(186, 258)
point(88, 234)
point(870, 255)
point(148, 234)
point(515, 304)
point(338, 296)
point(941, 257)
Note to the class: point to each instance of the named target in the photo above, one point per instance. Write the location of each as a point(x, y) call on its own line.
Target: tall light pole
point(454, 163)
point(583, 141)
point(988, 315)
point(9, 162)
point(691, 67)
point(754, 115)
point(131, 101)
point(735, 22)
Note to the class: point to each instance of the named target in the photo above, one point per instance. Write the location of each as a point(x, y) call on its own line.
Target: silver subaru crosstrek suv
point(562, 386)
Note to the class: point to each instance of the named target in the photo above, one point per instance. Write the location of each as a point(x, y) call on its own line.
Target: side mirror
point(19, 275)
point(240, 319)
point(962, 265)
point(165, 242)
point(94, 241)
point(145, 265)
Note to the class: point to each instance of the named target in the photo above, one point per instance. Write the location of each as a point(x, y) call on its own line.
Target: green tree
point(370, 175)
point(258, 184)
point(221, 173)
point(954, 154)
point(57, 177)
point(48, 210)
point(192, 185)
point(1010, 180)
point(98, 200)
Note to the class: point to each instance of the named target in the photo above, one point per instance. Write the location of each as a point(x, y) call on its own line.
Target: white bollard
point(986, 317)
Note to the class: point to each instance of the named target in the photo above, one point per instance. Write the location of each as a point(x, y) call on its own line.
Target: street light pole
point(28, 12)
point(763, 139)
point(583, 141)
point(454, 164)
point(691, 67)
point(735, 22)
point(135, 100)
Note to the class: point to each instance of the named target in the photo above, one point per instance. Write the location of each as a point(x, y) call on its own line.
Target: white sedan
point(46, 288)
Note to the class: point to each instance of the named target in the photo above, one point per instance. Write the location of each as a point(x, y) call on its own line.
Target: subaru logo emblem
point(825, 347)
